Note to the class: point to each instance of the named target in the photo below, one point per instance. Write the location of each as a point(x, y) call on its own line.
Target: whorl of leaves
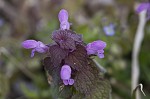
point(88, 83)
point(66, 38)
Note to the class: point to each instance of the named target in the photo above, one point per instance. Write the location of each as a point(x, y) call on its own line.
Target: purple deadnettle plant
point(68, 62)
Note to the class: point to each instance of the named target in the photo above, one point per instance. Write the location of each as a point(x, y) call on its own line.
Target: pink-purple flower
point(63, 18)
point(144, 6)
point(96, 48)
point(36, 46)
point(65, 74)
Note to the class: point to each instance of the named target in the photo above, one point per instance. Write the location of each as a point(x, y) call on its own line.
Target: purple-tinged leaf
point(53, 71)
point(53, 62)
point(66, 39)
point(87, 79)
point(75, 59)
point(57, 54)
point(76, 37)
point(48, 65)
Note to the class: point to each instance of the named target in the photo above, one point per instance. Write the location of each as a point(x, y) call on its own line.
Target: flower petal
point(90, 50)
point(65, 25)
point(100, 51)
point(95, 46)
point(71, 81)
point(28, 44)
point(65, 72)
point(141, 7)
point(100, 55)
point(65, 82)
point(32, 52)
point(41, 48)
point(98, 45)
point(63, 16)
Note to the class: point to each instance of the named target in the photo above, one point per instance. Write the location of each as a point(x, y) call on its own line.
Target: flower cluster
point(67, 43)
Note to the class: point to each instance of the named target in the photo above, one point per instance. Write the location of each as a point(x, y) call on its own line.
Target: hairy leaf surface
point(87, 78)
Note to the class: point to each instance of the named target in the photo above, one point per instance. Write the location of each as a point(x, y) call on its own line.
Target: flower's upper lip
point(63, 18)
point(63, 15)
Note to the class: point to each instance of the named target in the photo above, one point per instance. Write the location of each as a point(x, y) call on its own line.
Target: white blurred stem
point(135, 52)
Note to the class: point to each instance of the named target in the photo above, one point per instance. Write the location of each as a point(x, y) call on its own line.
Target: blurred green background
point(22, 77)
